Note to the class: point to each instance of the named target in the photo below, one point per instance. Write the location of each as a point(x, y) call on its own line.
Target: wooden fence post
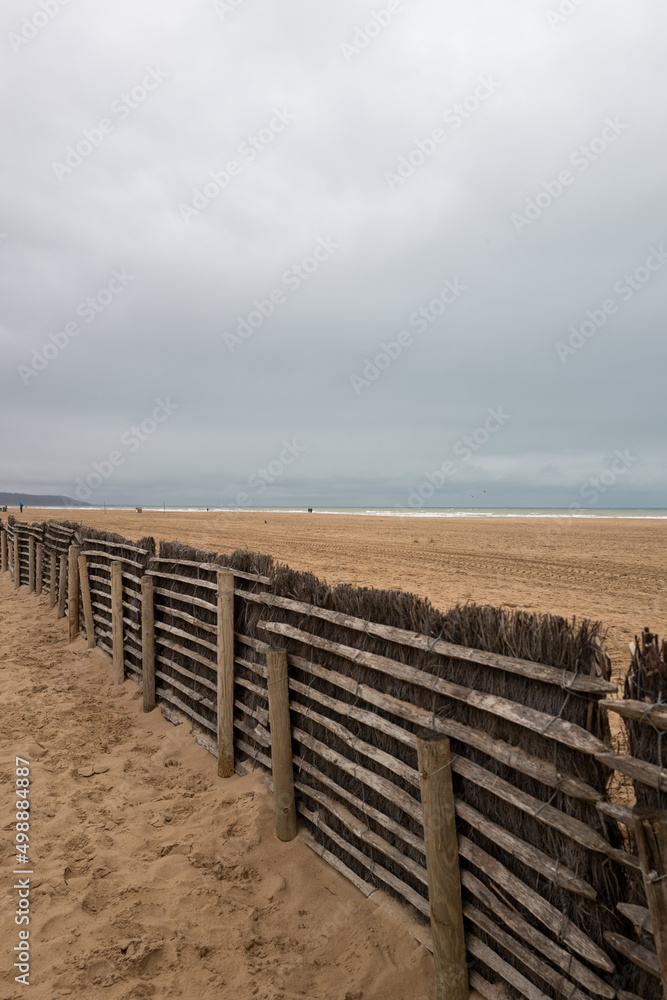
point(39, 568)
point(53, 570)
point(281, 744)
point(117, 622)
point(17, 561)
point(148, 643)
point(62, 585)
point(87, 603)
point(5, 558)
point(225, 674)
point(651, 833)
point(31, 564)
point(442, 866)
point(73, 592)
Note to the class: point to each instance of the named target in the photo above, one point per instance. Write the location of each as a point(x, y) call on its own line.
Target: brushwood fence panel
point(554, 901)
point(101, 550)
point(186, 626)
point(54, 537)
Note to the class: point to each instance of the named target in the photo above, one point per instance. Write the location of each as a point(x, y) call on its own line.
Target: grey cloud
point(325, 175)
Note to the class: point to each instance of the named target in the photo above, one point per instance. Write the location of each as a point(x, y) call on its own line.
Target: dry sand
point(608, 569)
point(152, 876)
point(155, 878)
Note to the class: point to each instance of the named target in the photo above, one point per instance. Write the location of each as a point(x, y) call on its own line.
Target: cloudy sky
point(334, 253)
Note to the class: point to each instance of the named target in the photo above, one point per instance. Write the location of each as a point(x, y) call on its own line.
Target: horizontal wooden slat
point(639, 915)
point(172, 630)
point(114, 557)
point(638, 770)
point(365, 807)
point(563, 959)
point(525, 956)
point(525, 668)
point(639, 711)
point(544, 911)
point(379, 871)
point(59, 528)
point(184, 689)
point(213, 568)
point(503, 968)
point(565, 930)
point(181, 706)
point(642, 957)
point(116, 545)
point(490, 991)
point(543, 812)
point(549, 726)
point(189, 653)
point(243, 682)
point(251, 751)
point(621, 813)
point(336, 863)
point(363, 833)
point(186, 598)
point(258, 732)
point(191, 581)
point(184, 616)
point(189, 674)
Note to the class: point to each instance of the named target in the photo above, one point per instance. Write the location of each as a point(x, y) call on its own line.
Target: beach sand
point(610, 569)
point(154, 878)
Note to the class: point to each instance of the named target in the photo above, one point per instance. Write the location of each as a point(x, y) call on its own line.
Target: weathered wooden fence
point(554, 892)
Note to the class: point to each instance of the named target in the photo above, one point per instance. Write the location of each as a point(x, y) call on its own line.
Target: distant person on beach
point(20, 508)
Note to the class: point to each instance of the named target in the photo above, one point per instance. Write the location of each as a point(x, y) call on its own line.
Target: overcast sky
point(334, 253)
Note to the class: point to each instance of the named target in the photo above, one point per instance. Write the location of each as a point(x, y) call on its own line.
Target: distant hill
point(33, 500)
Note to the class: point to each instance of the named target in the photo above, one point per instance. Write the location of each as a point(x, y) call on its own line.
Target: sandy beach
point(609, 569)
point(152, 876)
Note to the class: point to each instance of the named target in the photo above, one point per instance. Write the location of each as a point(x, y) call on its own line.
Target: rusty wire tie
point(434, 642)
point(439, 769)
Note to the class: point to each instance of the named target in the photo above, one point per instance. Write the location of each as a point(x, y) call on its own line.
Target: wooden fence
point(557, 875)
